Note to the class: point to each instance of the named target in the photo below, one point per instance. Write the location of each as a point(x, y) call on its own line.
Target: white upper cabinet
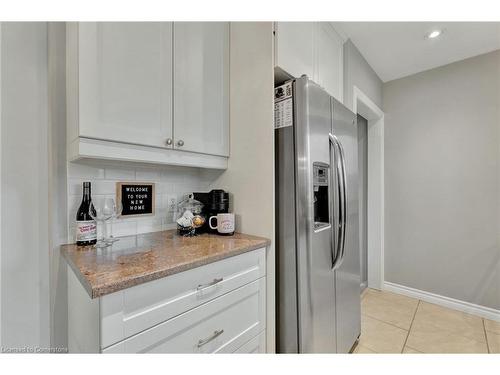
point(314, 49)
point(329, 63)
point(201, 87)
point(148, 92)
point(294, 47)
point(125, 81)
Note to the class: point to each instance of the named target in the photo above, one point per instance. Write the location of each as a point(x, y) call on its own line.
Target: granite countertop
point(134, 260)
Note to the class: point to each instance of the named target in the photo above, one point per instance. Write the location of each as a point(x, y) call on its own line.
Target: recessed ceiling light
point(434, 34)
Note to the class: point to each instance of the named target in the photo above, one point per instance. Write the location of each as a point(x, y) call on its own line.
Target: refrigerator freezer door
point(286, 276)
point(315, 277)
point(347, 276)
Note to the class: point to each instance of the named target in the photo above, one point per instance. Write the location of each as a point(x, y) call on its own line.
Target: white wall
point(0, 183)
point(357, 72)
point(57, 174)
point(24, 186)
point(250, 173)
point(362, 124)
point(362, 84)
point(442, 180)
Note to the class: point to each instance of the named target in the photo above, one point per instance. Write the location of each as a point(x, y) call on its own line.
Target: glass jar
point(189, 217)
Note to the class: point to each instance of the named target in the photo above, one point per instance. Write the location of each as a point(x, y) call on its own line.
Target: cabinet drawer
point(254, 346)
point(220, 326)
point(130, 311)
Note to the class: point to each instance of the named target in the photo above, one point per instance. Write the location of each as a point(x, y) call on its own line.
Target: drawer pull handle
point(217, 333)
point(208, 285)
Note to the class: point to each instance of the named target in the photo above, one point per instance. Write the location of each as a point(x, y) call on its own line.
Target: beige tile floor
point(391, 323)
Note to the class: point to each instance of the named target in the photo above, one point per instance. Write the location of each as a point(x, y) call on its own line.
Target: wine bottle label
point(86, 230)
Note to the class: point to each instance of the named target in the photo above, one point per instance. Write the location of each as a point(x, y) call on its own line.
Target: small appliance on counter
point(214, 202)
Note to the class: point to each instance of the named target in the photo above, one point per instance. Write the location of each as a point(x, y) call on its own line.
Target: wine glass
point(100, 215)
point(114, 209)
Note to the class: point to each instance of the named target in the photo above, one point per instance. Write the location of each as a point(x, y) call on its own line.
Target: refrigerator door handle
point(342, 171)
point(344, 200)
point(335, 240)
point(338, 256)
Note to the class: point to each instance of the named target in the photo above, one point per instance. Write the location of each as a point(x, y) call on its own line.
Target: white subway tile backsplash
point(174, 174)
point(169, 225)
point(75, 186)
point(148, 175)
point(184, 189)
point(99, 187)
point(124, 228)
point(162, 187)
point(209, 175)
point(170, 218)
point(115, 173)
point(170, 202)
point(192, 176)
point(169, 181)
point(104, 187)
point(72, 232)
point(159, 207)
point(73, 204)
point(84, 171)
point(152, 225)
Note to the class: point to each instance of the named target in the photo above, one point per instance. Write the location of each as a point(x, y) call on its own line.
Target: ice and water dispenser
point(321, 194)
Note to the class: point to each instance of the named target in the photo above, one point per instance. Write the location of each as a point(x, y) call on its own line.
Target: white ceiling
point(399, 49)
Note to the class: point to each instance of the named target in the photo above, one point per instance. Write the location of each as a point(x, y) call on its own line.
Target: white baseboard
point(364, 285)
point(451, 303)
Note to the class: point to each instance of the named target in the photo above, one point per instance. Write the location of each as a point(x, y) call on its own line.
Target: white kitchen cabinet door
point(201, 87)
point(220, 326)
point(329, 52)
point(125, 81)
point(294, 47)
point(133, 310)
point(254, 346)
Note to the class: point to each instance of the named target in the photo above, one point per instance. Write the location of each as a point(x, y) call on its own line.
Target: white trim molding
point(87, 148)
point(451, 303)
point(0, 183)
point(364, 106)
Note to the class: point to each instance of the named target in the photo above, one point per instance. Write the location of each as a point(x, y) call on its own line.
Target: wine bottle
point(86, 228)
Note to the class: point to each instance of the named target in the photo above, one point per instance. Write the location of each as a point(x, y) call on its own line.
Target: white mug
point(225, 223)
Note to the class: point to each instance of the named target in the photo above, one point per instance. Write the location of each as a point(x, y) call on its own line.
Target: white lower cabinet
point(220, 326)
point(216, 308)
point(255, 345)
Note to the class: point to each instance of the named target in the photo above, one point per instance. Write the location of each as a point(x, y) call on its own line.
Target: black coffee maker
point(214, 202)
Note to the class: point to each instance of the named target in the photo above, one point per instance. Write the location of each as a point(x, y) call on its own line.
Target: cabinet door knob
point(169, 141)
point(180, 143)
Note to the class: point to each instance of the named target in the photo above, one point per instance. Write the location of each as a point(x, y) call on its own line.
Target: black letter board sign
point(138, 198)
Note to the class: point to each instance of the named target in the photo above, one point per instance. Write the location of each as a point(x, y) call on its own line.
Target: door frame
point(364, 106)
point(0, 183)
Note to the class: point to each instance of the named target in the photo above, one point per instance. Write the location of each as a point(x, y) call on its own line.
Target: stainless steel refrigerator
point(317, 241)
